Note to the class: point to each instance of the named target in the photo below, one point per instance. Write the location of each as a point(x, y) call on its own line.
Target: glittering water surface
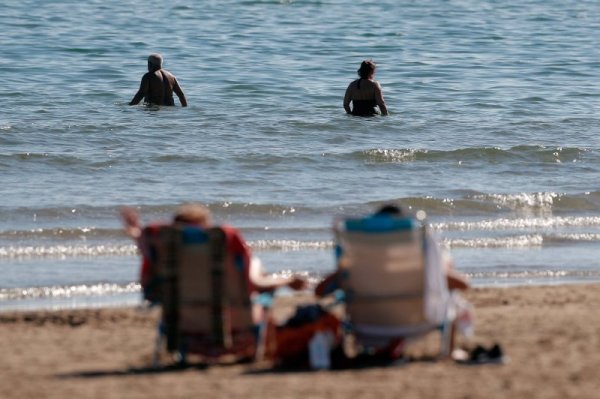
point(493, 132)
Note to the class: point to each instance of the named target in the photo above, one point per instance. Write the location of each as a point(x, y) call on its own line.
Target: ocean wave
point(533, 240)
point(147, 211)
point(250, 160)
point(518, 241)
point(476, 203)
point(57, 292)
point(572, 237)
point(522, 241)
point(520, 200)
point(289, 245)
point(67, 160)
point(457, 203)
point(62, 233)
point(66, 251)
point(107, 289)
point(71, 251)
point(498, 276)
point(67, 291)
point(183, 158)
point(492, 155)
point(46, 158)
point(93, 233)
point(521, 223)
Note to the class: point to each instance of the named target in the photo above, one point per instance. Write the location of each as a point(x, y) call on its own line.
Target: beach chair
point(203, 291)
point(393, 283)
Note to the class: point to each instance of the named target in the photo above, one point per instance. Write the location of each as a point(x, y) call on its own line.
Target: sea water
point(494, 133)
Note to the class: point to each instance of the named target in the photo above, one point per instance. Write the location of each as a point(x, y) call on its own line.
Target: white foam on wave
point(520, 200)
point(68, 251)
point(574, 237)
point(515, 241)
point(533, 274)
point(388, 155)
point(520, 241)
point(289, 245)
point(69, 291)
point(64, 251)
point(521, 223)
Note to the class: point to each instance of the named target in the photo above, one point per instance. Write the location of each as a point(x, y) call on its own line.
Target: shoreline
point(133, 299)
point(550, 335)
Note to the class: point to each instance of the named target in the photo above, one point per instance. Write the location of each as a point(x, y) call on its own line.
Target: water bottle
point(464, 317)
point(318, 350)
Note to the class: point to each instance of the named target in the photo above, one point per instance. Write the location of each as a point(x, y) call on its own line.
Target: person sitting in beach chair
point(395, 280)
point(208, 285)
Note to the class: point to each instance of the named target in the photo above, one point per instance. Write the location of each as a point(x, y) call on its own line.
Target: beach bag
point(294, 337)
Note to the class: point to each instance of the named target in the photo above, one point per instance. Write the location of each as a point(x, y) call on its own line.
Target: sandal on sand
point(481, 355)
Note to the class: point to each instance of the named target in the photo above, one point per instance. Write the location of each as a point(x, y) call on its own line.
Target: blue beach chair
point(393, 284)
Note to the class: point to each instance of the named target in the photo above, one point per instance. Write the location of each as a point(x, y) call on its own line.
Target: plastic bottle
point(464, 317)
point(318, 350)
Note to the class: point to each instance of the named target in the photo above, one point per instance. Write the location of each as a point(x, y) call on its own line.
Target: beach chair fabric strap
point(169, 298)
point(221, 333)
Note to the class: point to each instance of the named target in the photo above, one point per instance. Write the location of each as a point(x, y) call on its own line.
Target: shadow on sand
point(134, 371)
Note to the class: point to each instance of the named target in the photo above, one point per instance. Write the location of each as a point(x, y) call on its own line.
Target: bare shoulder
point(172, 79)
point(353, 85)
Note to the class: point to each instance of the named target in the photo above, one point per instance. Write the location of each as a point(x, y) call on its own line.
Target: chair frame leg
point(160, 335)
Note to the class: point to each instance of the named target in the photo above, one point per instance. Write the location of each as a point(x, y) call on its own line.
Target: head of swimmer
point(367, 69)
point(155, 61)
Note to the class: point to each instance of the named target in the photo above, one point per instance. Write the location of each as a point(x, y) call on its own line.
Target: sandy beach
point(551, 336)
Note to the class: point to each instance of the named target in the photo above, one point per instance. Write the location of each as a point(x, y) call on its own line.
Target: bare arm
point(379, 100)
point(329, 284)
point(264, 283)
point(457, 281)
point(131, 223)
point(179, 92)
point(141, 91)
point(347, 99)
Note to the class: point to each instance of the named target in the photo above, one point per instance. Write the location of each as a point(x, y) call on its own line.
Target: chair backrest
point(203, 292)
point(385, 261)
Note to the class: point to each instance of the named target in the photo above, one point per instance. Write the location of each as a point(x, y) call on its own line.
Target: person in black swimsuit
point(158, 85)
point(365, 93)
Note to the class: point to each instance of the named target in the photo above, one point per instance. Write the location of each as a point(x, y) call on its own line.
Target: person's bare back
point(365, 93)
point(158, 85)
